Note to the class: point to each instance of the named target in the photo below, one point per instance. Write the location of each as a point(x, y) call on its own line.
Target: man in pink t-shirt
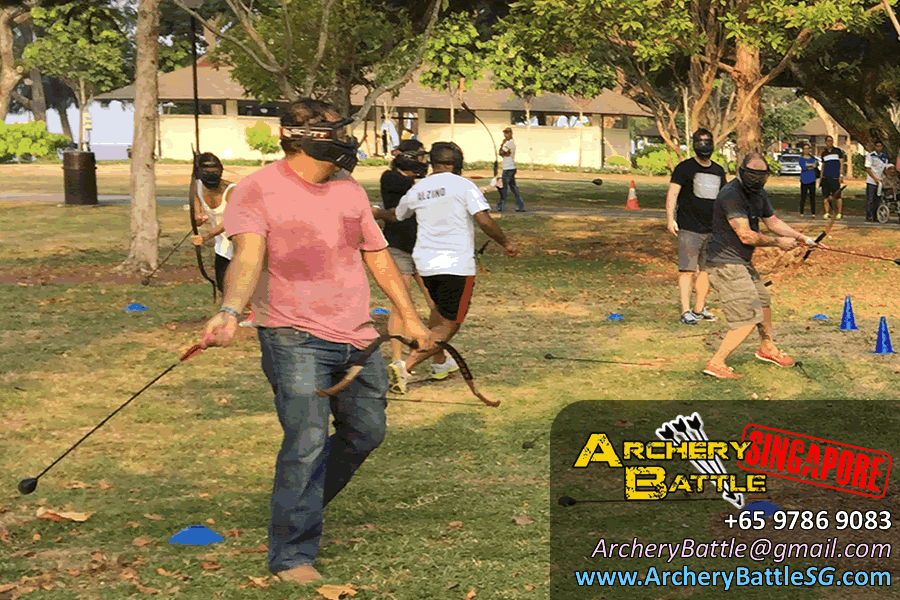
point(302, 239)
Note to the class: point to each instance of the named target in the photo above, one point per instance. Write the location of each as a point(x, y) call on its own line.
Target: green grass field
point(437, 510)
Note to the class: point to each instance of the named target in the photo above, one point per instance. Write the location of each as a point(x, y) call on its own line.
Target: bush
point(774, 165)
point(657, 162)
point(728, 165)
point(645, 151)
point(29, 140)
point(616, 161)
point(261, 139)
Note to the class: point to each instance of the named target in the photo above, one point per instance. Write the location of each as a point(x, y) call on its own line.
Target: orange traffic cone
point(632, 202)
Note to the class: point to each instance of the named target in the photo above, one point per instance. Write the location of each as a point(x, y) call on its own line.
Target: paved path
point(533, 210)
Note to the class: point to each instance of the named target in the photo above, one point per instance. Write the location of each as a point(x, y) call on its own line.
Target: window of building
point(442, 115)
point(566, 119)
point(249, 108)
point(615, 122)
point(538, 119)
point(187, 108)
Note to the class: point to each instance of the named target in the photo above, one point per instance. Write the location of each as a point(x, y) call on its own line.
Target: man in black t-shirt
point(408, 165)
point(735, 234)
point(832, 168)
point(693, 188)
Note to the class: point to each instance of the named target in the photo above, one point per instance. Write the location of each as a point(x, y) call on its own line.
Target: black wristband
point(231, 311)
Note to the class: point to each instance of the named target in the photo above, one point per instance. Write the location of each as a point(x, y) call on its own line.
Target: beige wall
point(225, 136)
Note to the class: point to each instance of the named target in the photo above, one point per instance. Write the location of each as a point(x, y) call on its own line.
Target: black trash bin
point(80, 177)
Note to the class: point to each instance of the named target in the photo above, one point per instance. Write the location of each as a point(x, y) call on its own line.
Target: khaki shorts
point(741, 292)
point(404, 261)
point(691, 250)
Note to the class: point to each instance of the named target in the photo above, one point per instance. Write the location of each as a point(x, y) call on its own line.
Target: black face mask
point(752, 179)
point(704, 148)
point(210, 180)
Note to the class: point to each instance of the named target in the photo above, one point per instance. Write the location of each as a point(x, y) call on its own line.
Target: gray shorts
point(691, 250)
point(404, 261)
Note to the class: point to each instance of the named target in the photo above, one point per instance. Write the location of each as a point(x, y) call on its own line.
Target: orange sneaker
point(782, 360)
point(721, 372)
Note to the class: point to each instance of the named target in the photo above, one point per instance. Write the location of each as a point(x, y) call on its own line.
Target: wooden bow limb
point(358, 365)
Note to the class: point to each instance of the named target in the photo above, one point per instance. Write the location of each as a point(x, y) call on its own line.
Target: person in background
point(407, 166)
point(508, 184)
point(808, 177)
point(832, 168)
point(876, 161)
point(692, 191)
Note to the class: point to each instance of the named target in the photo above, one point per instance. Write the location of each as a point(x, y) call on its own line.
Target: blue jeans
point(509, 183)
point(872, 201)
point(311, 467)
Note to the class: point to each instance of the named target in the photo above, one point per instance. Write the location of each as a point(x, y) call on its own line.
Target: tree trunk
point(528, 130)
point(144, 251)
point(747, 73)
point(342, 94)
point(64, 121)
point(580, 133)
point(9, 75)
point(82, 106)
point(38, 97)
point(452, 118)
point(831, 127)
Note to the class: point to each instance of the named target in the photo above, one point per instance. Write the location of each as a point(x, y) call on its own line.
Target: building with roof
point(554, 136)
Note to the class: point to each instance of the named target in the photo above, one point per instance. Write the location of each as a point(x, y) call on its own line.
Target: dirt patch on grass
point(88, 273)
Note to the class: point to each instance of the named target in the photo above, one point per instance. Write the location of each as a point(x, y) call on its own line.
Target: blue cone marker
point(196, 535)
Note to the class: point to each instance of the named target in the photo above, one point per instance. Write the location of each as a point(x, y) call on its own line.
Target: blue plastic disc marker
point(135, 307)
point(615, 317)
point(381, 311)
point(196, 535)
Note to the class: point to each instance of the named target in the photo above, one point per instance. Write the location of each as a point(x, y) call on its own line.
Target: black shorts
point(451, 295)
point(830, 186)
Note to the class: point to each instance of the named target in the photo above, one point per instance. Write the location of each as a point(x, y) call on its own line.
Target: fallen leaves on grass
point(336, 592)
point(235, 533)
point(36, 537)
point(60, 515)
point(256, 582)
point(529, 588)
point(153, 517)
point(522, 520)
point(132, 525)
point(455, 525)
point(104, 485)
point(140, 542)
point(74, 484)
point(471, 594)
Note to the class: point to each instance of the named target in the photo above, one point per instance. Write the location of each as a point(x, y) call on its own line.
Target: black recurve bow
point(358, 364)
point(488, 129)
point(198, 249)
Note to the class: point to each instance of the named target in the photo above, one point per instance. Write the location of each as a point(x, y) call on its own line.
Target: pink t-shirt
point(315, 279)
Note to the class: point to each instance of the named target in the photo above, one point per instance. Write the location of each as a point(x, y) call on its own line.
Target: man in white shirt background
point(508, 152)
point(876, 161)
